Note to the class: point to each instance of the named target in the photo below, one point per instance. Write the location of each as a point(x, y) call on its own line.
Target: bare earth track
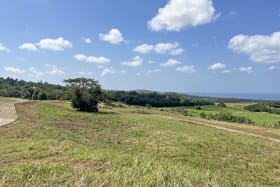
point(8, 113)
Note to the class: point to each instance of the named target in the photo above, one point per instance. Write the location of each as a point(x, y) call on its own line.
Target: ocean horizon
point(253, 96)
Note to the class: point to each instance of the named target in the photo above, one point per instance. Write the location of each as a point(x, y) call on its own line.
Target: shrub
point(221, 104)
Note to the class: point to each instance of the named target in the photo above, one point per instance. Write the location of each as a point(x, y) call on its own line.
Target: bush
point(198, 108)
point(226, 116)
point(221, 104)
point(202, 115)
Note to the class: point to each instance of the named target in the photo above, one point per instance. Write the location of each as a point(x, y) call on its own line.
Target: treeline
point(155, 99)
point(271, 107)
point(226, 116)
point(10, 87)
point(29, 90)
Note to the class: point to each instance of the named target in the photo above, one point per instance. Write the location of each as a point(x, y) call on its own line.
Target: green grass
point(259, 118)
point(53, 145)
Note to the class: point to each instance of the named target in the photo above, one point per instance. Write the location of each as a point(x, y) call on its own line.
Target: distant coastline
point(253, 96)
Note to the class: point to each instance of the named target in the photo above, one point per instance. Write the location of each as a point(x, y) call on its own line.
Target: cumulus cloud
point(58, 44)
point(171, 62)
point(177, 51)
point(33, 72)
point(114, 36)
point(217, 66)
point(186, 69)
point(178, 14)
point(93, 59)
point(107, 71)
point(160, 48)
point(165, 47)
point(28, 47)
point(136, 61)
point(87, 40)
point(272, 68)
point(225, 71)
point(245, 69)
point(144, 48)
point(14, 70)
point(54, 70)
point(4, 48)
point(259, 48)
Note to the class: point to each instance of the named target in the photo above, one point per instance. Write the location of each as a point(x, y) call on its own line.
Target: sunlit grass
point(54, 145)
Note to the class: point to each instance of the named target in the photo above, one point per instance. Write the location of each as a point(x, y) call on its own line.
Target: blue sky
point(165, 45)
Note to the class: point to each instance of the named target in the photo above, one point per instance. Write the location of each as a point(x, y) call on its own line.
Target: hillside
point(52, 144)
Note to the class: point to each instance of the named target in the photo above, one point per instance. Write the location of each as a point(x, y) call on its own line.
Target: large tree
point(86, 94)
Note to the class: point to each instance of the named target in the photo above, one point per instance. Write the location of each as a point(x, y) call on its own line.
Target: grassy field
point(236, 109)
point(53, 145)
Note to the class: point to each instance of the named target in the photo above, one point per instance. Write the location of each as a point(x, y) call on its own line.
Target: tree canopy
point(86, 94)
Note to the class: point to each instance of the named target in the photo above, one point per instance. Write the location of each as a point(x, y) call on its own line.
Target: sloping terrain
point(53, 145)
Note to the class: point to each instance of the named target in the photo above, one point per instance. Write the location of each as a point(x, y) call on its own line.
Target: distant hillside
point(10, 87)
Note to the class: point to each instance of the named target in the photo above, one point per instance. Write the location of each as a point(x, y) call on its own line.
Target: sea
point(251, 96)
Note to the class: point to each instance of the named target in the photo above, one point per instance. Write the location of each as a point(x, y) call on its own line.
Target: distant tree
point(86, 94)
point(221, 104)
point(42, 95)
point(35, 94)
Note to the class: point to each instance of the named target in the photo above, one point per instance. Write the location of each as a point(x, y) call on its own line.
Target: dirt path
point(193, 121)
point(8, 113)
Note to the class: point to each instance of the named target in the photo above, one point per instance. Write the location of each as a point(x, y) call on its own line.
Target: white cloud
point(123, 71)
point(165, 47)
point(259, 48)
point(171, 62)
point(160, 48)
point(93, 59)
point(28, 47)
point(54, 70)
point(245, 69)
point(177, 51)
point(186, 69)
point(33, 72)
point(272, 68)
point(226, 71)
point(107, 71)
point(217, 66)
point(143, 48)
point(14, 70)
point(114, 36)
point(87, 40)
point(148, 72)
point(178, 14)
point(151, 62)
point(57, 44)
point(136, 61)
point(4, 48)
point(85, 73)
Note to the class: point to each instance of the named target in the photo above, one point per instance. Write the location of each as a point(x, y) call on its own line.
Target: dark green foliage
point(155, 99)
point(259, 107)
point(264, 107)
point(202, 115)
point(86, 94)
point(226, 116)
point(221, 104)
point(42, 96)
point(198, 108)
point(29, 90)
